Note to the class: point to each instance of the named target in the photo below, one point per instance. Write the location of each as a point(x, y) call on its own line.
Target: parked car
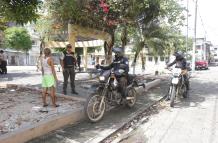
point(201, 65)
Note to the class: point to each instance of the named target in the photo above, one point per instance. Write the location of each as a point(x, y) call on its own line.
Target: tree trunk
point(27, 58)
point(124, 38)
point(143, 61)
point(108, 49)
point(134, 62)
point(42, 46)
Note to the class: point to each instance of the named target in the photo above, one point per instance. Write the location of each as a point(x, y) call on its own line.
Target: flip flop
point(45, 105)
point(57, 105)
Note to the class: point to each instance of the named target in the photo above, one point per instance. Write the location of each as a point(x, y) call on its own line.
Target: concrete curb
point(148, 86)
point(152, 84)
point(30, 132)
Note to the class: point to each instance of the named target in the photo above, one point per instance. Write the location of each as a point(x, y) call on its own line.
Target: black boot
point(74, 92)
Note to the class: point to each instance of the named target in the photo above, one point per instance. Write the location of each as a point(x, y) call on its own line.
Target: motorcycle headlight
point(101, 78)
point(121, 71)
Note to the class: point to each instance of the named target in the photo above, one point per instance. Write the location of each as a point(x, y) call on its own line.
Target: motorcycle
point(107, 93)
point(178, 86)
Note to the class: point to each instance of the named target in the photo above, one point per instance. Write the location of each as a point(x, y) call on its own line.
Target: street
point(65, 62)
point(193, 120)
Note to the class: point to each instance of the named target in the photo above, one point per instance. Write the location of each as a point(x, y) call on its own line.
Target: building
point(214, 54)
point(203, 49)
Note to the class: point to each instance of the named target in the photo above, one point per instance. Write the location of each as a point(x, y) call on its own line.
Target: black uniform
point(120, 63)
point(69, 71)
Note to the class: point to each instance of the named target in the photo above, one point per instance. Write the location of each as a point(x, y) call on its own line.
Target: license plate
point(175, 80)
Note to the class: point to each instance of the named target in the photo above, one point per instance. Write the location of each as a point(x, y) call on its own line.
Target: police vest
point(69, 60)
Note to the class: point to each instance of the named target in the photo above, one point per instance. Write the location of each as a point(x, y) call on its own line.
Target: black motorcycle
point(107, 93)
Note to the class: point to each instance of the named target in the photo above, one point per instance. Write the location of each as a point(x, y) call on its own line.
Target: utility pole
point(187, 27)
point(194, 41)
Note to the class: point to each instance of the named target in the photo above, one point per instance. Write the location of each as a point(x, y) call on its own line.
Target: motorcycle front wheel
point(94, 109)
point(172, 96)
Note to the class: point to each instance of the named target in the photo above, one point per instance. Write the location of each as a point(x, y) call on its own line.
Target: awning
point(92, 43)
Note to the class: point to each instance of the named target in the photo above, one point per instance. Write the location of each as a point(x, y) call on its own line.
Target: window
point(33, 42)
point(198, 47)
point(150, 59)
point(161, 59)
point(156, 59)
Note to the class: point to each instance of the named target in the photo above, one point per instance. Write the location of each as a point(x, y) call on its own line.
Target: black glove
point(97, 66)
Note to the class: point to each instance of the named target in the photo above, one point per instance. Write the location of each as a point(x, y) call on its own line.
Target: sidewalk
point(27, 75)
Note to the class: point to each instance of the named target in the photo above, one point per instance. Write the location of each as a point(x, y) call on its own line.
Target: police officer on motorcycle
point(180, 62)
point(121, 69)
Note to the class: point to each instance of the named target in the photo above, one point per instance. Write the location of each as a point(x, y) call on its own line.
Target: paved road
point(194, 120)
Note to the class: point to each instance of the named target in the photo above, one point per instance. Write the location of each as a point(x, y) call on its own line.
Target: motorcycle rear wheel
point(131, 93)
point(92, 111)
point(185, 91)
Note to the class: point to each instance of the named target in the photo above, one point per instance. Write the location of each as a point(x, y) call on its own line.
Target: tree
point(110, 15)
point(98, 14)
point(19, 11)
point(158, 23)
point(17, 38)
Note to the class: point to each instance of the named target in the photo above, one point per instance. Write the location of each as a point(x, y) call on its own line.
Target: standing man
point(68, 63)
point(3, 62)
point(78, 61)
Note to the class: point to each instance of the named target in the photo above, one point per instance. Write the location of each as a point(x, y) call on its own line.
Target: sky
point(207, 19)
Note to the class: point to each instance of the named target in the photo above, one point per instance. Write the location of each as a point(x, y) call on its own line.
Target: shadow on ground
point(197, 93)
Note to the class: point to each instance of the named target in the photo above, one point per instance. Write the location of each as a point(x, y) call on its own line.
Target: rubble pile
point(20, 107)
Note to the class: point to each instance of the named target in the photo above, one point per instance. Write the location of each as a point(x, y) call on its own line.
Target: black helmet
point(118, 52)
point(178, 54)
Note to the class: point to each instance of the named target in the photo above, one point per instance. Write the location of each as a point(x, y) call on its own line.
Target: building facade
point(203, 49)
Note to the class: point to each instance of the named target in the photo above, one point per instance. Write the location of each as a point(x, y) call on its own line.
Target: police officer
point(68, 63)
point(119, 62)
point(180, 62)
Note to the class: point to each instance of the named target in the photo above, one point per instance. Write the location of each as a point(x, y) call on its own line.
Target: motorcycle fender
point(175, 80)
